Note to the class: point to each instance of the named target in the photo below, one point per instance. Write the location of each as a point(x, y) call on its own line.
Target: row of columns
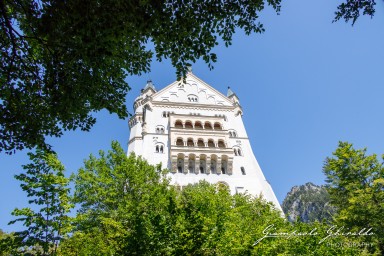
point(200, 126)
point(134, 120)
point(195, 144)
point(209, 165)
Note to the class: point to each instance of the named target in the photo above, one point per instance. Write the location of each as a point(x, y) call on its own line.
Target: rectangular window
point(242, 170)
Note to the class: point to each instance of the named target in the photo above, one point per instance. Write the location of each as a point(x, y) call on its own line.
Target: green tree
point(351, 10)
point(356, 187)
point(47, 222)
point(211, 221)
point(312, 239)
point(128, 207)
point(4, 245)
point(61, 61)
point(126, 203)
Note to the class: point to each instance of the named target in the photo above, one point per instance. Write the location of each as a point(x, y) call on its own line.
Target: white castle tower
point(197, 133)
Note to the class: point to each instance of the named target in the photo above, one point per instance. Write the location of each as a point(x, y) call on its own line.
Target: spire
point(230, 92)
point(189, 69)
point(149, 85)
point(232, 96)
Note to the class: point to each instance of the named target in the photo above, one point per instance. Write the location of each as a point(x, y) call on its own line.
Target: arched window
point(180, 163)
point(179, 166)
point(198, 125)
point(213, 163)
point(232, 133)
point(179, 142)
point(237, 151)
point(203, 164)
point(208, 126)
point(178, 124)
point(191, 163)
point(200, 143)
point(221, 144)
point(190, 143)
point(188, 125)
point(224, 164)
point(211, 144)
point(159, 148)
point(217, 126)
point(192, 98)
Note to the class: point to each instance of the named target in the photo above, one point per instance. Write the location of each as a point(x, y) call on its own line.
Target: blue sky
point(304, 85)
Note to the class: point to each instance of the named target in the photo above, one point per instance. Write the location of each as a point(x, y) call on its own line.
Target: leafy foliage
point(128, 207)
point(352, 9)
point(5, 241)
point(45, 183)
point(356, 187)
point(125, 202)
point(61, 61)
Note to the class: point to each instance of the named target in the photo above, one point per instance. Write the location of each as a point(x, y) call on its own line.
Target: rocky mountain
point(308, 203)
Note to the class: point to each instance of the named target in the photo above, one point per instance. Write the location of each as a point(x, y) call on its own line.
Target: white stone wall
point(155, 115)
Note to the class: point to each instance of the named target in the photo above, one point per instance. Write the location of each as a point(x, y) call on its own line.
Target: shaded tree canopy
point(63, 60)
point(351, 10)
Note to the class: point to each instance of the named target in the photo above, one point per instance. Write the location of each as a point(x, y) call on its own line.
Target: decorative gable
point(193, 91)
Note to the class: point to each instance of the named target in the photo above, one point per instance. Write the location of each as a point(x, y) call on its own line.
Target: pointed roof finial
point(230, 92)
point(189, 69)
point(149, 85)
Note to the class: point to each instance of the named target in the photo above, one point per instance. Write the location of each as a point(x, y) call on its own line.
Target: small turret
point(148, 90)
point(149, 85)
point(232, 96)
point(230, 92)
